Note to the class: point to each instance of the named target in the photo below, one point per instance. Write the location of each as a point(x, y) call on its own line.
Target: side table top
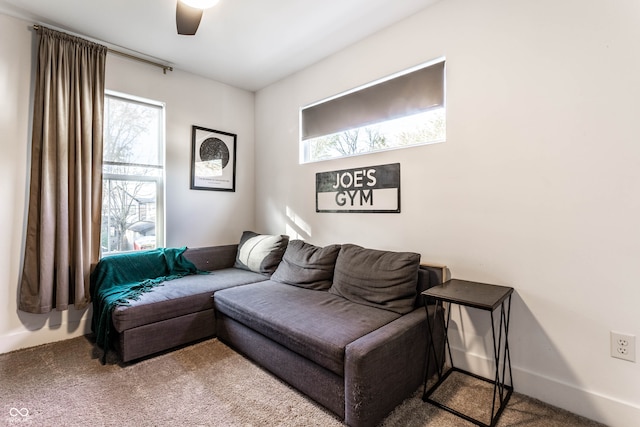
point(470, 294)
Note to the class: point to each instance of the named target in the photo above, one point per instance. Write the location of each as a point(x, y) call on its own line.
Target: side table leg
point(500, 380)
point(506, 345)
point(431, 350)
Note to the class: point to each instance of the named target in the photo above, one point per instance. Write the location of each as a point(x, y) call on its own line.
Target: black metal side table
point(484, 297)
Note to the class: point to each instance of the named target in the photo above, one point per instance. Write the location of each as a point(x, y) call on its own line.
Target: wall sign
point(371, 189)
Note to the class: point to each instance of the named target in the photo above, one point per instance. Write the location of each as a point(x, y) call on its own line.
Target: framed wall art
point(213, 159)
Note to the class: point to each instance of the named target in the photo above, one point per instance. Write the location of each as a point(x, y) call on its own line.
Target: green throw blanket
point(123, 277)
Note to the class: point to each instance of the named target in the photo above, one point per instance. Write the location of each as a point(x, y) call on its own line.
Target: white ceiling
point(244, 43)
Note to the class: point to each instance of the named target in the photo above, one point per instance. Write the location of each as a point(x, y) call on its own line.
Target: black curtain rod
point(127, 55)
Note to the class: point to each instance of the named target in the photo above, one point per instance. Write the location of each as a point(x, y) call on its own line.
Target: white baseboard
point(589, 404)
point(45, 335)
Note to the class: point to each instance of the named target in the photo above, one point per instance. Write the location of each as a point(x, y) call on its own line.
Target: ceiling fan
point(189, 14)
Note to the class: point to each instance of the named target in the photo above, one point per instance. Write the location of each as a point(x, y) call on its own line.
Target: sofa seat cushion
point(315, 324)
point(188, 294)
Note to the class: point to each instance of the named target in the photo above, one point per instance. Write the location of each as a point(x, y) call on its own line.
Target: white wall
point(196, 217)
point(537, 186)
point(193, 218)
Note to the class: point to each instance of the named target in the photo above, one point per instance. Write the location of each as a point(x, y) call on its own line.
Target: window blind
point(415, 92)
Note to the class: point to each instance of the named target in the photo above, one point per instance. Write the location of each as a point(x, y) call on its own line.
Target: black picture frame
point(213, 159)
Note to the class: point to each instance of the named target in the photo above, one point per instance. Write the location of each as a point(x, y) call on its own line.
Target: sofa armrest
point(430, 275)
point(211, 258)
point(438, 273)
point(386, 366)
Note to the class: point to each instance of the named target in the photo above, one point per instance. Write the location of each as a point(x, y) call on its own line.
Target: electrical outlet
point(623, 346)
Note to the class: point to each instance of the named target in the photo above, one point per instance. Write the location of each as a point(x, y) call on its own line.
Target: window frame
point(305, 141)
point(159, 180)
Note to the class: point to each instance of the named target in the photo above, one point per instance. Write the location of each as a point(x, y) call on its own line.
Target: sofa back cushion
point(260, 253)
point(307, 266)
point(382, 279)
point(211, 258)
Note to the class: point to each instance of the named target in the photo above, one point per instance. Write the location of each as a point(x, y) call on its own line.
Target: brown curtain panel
point(65, 196)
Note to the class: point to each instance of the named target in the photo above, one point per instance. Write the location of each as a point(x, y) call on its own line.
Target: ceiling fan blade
point(187, 19)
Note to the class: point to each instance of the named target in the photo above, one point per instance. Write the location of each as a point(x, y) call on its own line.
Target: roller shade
point(411, 93)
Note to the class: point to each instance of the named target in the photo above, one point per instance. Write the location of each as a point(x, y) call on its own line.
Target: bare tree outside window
point(349, 143)
point(401, 110)
point(132, 175)
point(432, 129)
point(423, 128)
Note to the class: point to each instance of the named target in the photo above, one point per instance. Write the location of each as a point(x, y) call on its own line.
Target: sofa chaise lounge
point(343, 324)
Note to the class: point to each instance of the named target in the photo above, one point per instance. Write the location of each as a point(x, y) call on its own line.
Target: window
point(132, 189)
point(402, 110)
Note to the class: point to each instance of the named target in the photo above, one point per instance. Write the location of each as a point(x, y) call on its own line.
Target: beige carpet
point(206, 384)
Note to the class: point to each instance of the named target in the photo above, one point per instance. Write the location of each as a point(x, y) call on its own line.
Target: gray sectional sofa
point(343, 324)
